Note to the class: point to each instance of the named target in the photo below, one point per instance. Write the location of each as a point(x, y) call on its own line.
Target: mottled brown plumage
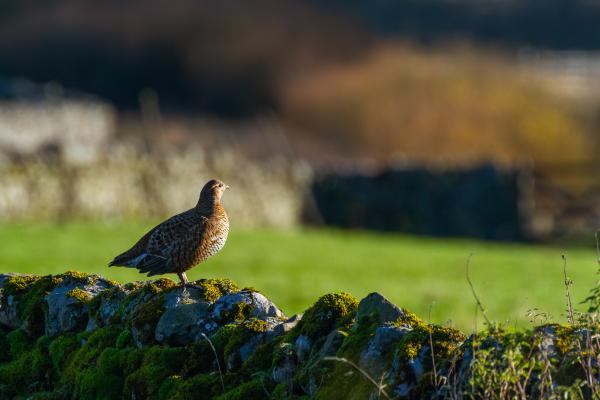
point(184, 240)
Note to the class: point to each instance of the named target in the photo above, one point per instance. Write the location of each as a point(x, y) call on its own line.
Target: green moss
point(261, 359)
point(77, 276)
point(253, 390)
point(213, 289)
point(17, 284)
point(158, 363)
point(105, 378)
point(341, 381)
point(160, 285)
point(4, 344)
point(445, 341)
point(242, 333)
point(410, 320)
point(565, 341)
point(80, 295)
point(124, 339)
point(87, 355)
point(146, 317)
point(358, 337)
point(29, 371)
point(61, 349)
point(18, 342)
point(239, 312)
point(325, 315)
point(208, 385)
point(30, 292)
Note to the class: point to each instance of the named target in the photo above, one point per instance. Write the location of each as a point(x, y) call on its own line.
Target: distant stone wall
point(483, 202)
point(78, 129)
point(125, 183)
point(78, 336)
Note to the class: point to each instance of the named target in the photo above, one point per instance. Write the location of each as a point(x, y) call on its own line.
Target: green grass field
point(294, 268)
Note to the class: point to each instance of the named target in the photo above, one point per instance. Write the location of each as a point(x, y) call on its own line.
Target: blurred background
point(369, 146)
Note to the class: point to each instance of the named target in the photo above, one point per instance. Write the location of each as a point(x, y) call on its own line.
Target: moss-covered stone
point(325, 315)
point(158, 363)
point(242, 333)
point(61, 349)
point(212, 289)
point(80, 295)
point(30, 293)
point(108, 362)
point(209, 385)
point(253, 390)
point(145, 318)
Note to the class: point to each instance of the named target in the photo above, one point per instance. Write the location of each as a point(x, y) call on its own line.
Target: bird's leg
point(183, 277)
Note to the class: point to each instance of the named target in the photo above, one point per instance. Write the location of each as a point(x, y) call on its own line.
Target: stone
point(108, 309)
point(248, 348)
point(183, 324)
point(226, 307)
point(9, 311)
point(285, 363)
point(5, 277)
point(377, 304)
point(287, 325)
point(373, 358)
point(302, 347)
point(9, 306)
point(263, 308)
point(183, 295)
point(332, 343)
point(67, 304)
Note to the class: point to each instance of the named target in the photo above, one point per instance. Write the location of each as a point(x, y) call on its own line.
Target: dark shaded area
point(223, 58)
point(228, 58)
point(480, 203)
point(553, 24)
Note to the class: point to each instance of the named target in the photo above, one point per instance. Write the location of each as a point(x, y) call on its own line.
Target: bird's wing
point(155, 252)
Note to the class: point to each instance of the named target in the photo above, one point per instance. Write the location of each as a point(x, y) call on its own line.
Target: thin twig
point(567, 285)
point(479, 305)
point(362, 371)
point(435, 376)
point(216, 358)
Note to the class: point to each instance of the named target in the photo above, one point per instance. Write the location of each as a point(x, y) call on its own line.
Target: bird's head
point(212, 191)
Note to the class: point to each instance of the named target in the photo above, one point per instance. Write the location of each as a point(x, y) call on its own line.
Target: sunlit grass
point(294, 268)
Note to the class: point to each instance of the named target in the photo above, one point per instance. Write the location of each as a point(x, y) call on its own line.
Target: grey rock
point(548, 342)
point(9, 311)
point(248, 348)
point(285, 364)
point(261, 307)
point(372, 359)
point(183, 324)
point(66, 313)
point(110, 304)
point(377, 304)
point(416, 364)
point(183, 295)
point(332, 343)
point(264, 308)
point(225, 305)
point(403, 389)
point(302, 347)
point(287, 325)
